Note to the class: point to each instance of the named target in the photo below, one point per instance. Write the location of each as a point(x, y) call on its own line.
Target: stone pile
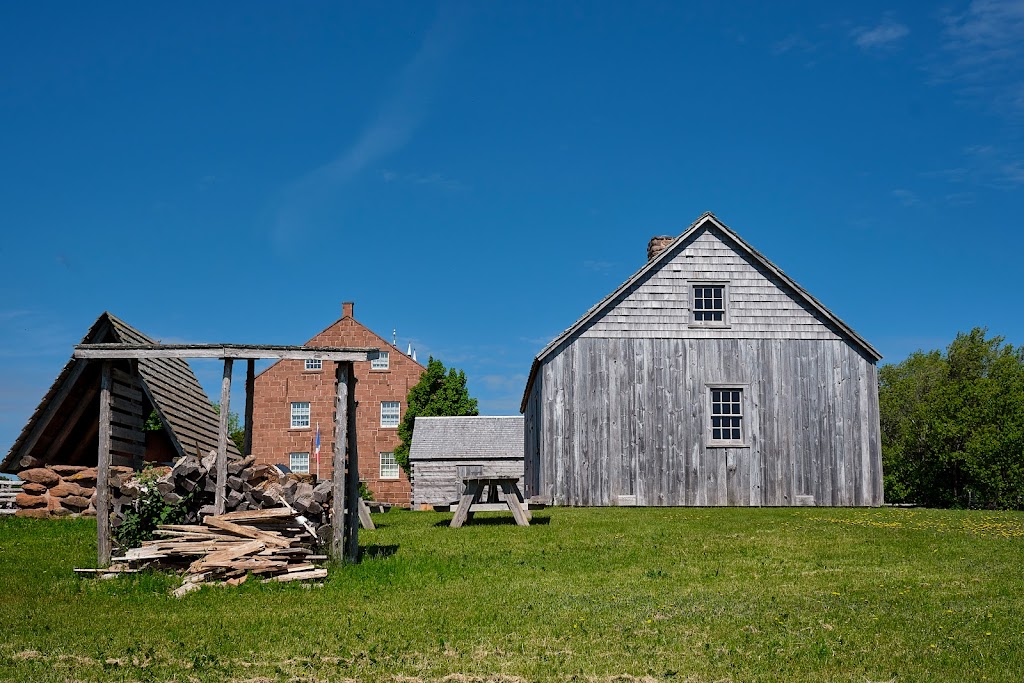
point(59, 490)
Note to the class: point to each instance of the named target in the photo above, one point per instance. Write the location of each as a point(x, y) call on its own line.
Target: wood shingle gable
point(655, 301)
point(169, 384)
point(476, 437)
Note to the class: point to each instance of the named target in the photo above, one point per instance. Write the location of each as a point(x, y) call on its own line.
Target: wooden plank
point(103, 544)
point(129, 435)
point(221, 351)
point(222, 440)
point(69, 423)
point(352, 497)
point(247, 532)
point(364, 515)
point(250, 389)
point(125, 391)
point(340, 446)
point(469, 497)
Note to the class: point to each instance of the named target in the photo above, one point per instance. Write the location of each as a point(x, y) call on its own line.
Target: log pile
point(249, 487)
point(272, 545)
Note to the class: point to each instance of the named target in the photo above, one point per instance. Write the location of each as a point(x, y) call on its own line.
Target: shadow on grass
point(377, 552)
point(498, 521)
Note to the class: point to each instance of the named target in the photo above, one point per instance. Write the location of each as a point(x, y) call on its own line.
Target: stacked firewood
point(248, 487)
point(273, 544)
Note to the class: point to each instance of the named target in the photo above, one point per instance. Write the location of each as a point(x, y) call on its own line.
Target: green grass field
point(797, 594)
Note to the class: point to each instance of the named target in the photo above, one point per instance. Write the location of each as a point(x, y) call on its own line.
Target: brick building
point(292, 396)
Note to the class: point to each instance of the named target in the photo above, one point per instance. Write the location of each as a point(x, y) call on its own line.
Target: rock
point(40, 475)
point(235, 483)
point(28, 462)
point(27, 500)
point(165, 486)
point(34, 513)
point(75, 503)
point(86, 477)
point(67, 470)
point(69, 488)
point(209, 483)
point(121, 469)
point(60, 512)
point(206, 510)
point(34, 488)
point(171, 498)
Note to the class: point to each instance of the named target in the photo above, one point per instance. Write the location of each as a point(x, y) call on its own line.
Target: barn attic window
point(314, 364)
point(708, 304)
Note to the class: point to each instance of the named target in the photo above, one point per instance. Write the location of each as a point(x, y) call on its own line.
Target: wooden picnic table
point(502, 494)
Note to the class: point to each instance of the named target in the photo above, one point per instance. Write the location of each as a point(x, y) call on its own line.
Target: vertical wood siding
point(622, 421)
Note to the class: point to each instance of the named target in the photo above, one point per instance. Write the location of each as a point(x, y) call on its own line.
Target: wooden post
point(352, 497)
point(103, 471)
point(250, 386)
point(222, 442)
point(340, 443)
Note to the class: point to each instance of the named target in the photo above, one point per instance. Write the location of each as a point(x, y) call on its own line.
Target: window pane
point(390, 413)
point(300, 415)
point(298, 462)
point(388, 466)
point(382, 361)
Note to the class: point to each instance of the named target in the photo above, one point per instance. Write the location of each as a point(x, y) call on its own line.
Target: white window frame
point(743, 416)
point(298, 415)
point(387, 417)
point(693, 311)
point(313, 364)
point(295, 468)
point(382, 361)
point(388, 465)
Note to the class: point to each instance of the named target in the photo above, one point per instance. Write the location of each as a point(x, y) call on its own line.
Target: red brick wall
point(287, 381)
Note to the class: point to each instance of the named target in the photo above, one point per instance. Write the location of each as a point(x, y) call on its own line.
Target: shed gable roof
point(471, 438)
point(706, 221)
point(169, 383)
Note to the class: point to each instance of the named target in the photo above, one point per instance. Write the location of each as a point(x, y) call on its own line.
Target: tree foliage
point(439, 392)
point(953, 425)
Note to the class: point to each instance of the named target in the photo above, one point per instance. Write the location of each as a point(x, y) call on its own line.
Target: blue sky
point(477, 175)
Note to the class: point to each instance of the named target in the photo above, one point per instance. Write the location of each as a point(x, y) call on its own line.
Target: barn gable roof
point(707, 220)
point(471, 438)
point(169, 383)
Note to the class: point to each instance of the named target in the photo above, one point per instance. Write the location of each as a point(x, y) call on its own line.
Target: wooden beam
point(250, 387)
point(222, 440)
point(103, 472)
point(120, 351)
point(338, 478)
point(352, 495)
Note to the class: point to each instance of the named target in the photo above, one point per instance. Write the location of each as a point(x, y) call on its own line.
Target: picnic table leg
point(522, 501)
point(364, 516)
point(514, 501)
point(462, 512)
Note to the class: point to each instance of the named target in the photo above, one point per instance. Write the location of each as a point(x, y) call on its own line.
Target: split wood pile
point(59, 491)
point(271, 545)
point(249, 487)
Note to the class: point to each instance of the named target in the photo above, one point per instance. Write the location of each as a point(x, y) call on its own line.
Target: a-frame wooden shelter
point(345, 505)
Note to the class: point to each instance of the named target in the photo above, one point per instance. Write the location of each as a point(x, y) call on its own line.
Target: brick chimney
point(657, 245)
point(346, 309)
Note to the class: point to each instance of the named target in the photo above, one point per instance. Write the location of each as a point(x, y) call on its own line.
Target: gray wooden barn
point(483, 445)
point(708, 378)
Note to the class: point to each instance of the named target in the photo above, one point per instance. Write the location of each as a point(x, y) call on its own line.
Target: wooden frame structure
point(345, 519)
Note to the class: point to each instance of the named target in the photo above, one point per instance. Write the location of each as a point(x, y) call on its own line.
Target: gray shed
point(709, 377)
point(441, 445)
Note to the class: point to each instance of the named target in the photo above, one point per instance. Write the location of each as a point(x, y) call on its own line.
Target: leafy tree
point(236, 432)
point(438, 393)
point(953, 425)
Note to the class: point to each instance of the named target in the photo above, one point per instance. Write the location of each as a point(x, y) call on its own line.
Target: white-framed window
point(709, 304)
point(300, 415)
point(726, 416)
point(388, 466)
point(314, 364)
point(390, 413)
point(298, 462)
point(382, 361)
